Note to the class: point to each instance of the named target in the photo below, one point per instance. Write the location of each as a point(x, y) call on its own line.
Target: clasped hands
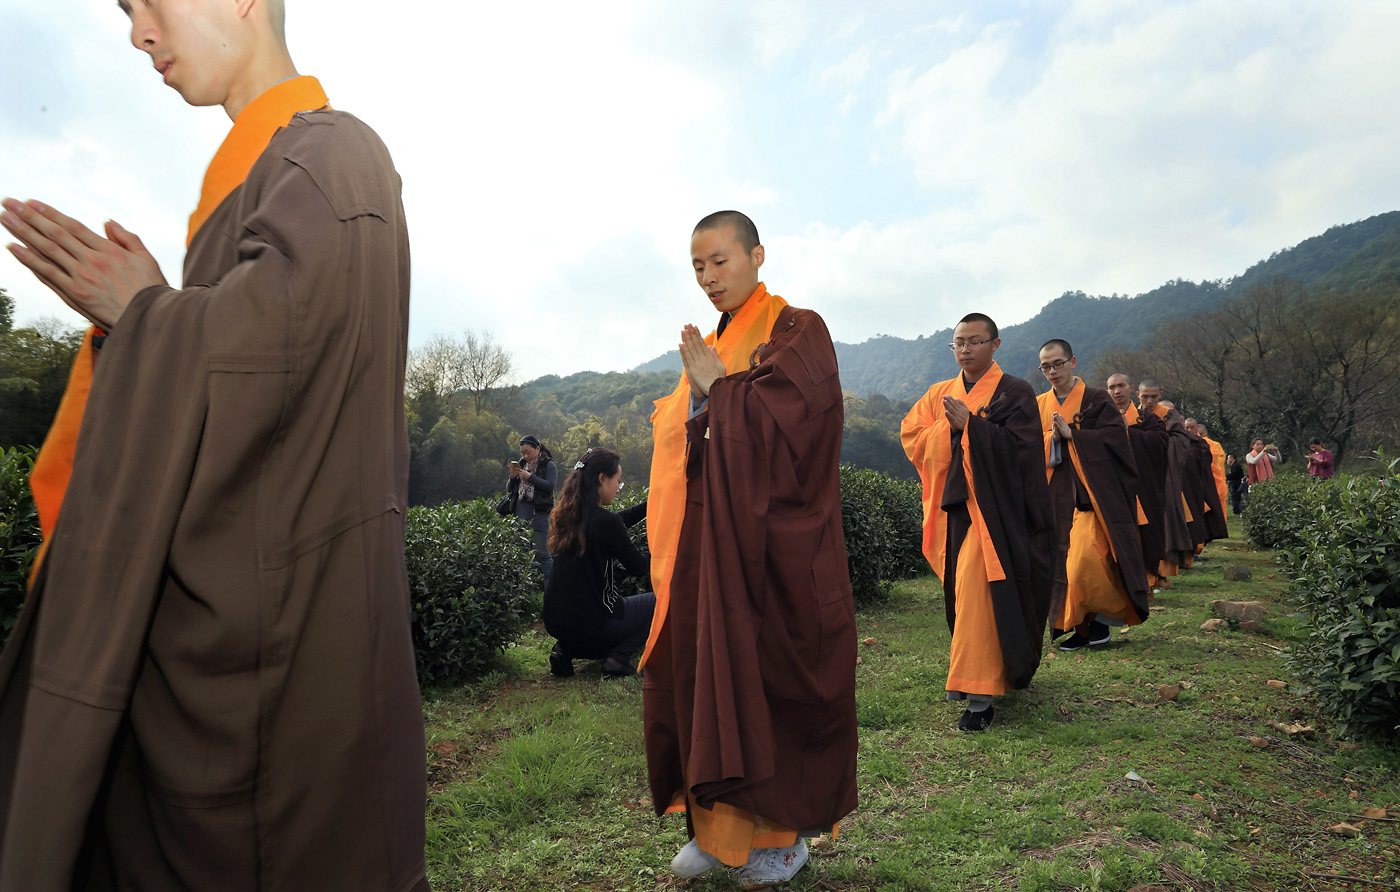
point(1060, 426)
point(703, 367)
point(95, 276)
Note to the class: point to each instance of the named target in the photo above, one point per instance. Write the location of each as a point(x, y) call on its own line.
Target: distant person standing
point(1320, 463)
point(531, 494)
point(1261, 460)
point(1234, 476)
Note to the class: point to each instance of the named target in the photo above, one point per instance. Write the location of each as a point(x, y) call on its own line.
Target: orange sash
point(1130, 417)
point(1049, 405)
point(747, 328)
point(247, 139)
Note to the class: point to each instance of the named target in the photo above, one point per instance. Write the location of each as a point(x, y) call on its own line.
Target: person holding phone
point(530, 496)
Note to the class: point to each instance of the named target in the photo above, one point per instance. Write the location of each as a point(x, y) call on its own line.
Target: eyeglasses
point(1048, 367)
point(958, 345)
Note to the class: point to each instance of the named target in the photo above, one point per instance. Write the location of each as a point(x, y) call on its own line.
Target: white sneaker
point(769, 867)
point(692, 861)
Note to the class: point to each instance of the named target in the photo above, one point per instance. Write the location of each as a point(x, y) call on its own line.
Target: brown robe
point(1106, 458)
point(212, 683)
point(1211, 509)
point(749, 695)
point(1177, 541)
point(1150, 441)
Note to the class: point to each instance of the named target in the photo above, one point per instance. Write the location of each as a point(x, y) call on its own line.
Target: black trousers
point(618, 638)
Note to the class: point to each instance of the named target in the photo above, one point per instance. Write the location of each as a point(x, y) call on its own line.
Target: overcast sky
point(906, 163)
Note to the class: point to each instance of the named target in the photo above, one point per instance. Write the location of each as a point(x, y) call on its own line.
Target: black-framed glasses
point(958, 345)
point(1048, 367)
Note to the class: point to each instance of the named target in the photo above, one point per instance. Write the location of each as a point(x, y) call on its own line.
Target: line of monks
point(1066, 510)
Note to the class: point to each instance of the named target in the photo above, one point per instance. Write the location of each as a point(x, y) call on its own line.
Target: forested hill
point(1351, 255)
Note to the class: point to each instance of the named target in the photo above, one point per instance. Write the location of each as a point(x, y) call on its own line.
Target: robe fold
point(1105, 566)
point(212, 685)
point(985, 490)
point(749, 694)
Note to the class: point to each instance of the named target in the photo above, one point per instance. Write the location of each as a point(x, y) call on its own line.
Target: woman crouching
point(583, 610)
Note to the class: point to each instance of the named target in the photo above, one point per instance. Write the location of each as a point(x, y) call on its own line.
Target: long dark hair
point(577, 498)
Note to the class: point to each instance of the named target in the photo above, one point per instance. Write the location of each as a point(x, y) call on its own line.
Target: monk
point(749, 690)
point(1206, 503)
point(1178, 545)
point(1100, 580)
point(1217, 463)
point(1150, 442)
point(976, 443)
point(211, 685)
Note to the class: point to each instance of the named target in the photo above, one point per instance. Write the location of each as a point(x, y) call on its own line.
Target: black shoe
point(613, 669)
point(1099, 633)
point(559, 663)
point(976, 721)
point(1074, 642)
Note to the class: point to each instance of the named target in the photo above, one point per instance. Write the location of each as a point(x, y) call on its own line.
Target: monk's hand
point(95, 276)
point(703, 367)
point(1061, 427)
point(956, 411)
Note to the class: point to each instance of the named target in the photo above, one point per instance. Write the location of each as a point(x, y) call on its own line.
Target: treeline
point(34, 364)
point(1284, 361)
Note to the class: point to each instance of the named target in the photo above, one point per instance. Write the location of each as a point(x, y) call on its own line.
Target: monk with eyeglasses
point(975, 440)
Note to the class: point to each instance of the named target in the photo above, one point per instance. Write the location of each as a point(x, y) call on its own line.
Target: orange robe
point(1061, 481)
point(998, 595)
point(1217, 468)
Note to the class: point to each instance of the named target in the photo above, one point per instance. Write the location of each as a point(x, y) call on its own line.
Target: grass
point(538, 783)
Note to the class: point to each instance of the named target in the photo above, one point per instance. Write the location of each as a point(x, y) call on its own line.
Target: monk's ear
point(756, 255)
point(244, 7)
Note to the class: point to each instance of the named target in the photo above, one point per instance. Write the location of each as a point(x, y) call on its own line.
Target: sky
point(906, 163)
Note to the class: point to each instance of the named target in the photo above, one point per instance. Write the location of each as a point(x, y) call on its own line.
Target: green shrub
point(1281, 511)
point(882, 519)
point(471, 574)
point(19, 532)
point(1345, 576)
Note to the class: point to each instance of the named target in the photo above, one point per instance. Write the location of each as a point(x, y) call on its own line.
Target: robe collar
point(251, 132)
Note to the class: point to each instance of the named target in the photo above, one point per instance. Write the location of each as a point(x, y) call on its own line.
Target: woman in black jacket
point(583, 610)
point(531, 496)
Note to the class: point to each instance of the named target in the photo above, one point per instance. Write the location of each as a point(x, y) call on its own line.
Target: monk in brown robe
point(1217, 465)
point(1099, 576)
point(1149, 440)
point(976, 443)
point(1178, 546)
point(749, 690)
point(211, 685)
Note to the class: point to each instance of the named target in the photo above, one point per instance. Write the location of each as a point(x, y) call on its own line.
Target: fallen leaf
point(869, 641)
point(1350, 831)
point(1168, 691)
point(1186, 685)
point(1374, 813)
point(1277, 685)
point(1260, 742)
point(1352, 795)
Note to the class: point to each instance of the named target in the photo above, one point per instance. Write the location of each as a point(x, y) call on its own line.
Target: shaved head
point(745, 233)
point(1120, 390)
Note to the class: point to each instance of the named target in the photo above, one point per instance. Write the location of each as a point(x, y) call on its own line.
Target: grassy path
point(537, 783)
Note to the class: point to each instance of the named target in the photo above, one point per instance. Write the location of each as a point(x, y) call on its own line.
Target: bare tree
point(475, 364)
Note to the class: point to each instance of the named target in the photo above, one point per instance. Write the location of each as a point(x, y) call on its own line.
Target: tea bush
point(1281, 511)
point(19, 532)
point(882, 520)
point(471, 576)
point(1345, 575)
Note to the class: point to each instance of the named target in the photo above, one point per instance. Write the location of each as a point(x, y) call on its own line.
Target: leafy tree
point(34, 365)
